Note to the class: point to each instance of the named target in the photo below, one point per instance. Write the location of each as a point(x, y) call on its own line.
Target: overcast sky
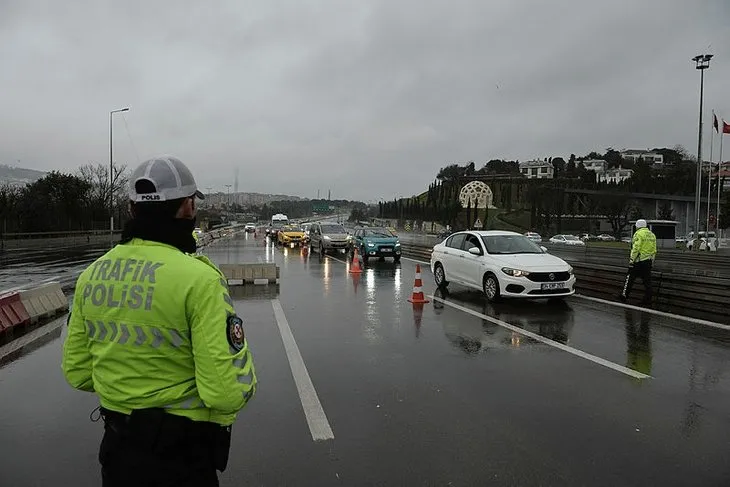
point(368, 98)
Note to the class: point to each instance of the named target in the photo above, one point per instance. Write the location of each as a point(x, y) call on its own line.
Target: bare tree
point(97, 175)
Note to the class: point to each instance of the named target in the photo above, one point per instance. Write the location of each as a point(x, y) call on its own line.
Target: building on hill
point(615, 175)
point(651, 158)
point(537, 169)
point(596, 165)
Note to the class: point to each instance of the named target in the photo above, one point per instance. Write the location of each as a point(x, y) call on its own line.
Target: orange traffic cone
point(417, 297)
point(355, 267)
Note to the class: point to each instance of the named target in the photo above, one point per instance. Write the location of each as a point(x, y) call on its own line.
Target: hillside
point(18, 176)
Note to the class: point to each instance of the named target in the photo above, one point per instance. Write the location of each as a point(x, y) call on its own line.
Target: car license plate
point(386, 250)
point(552, 285)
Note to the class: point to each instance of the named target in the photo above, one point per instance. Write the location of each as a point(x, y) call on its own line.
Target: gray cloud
point(366, 98)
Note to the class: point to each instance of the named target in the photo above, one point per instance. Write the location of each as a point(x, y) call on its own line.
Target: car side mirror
point(544, 249)
point(475, 251)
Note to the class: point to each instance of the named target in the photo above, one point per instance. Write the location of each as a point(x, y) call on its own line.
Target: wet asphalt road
point(431, 397)
point(24, 267)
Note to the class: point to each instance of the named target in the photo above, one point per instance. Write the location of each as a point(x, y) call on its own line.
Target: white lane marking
point(317, 420)
point(547, 341)
point(688, 319)
point(338, 260)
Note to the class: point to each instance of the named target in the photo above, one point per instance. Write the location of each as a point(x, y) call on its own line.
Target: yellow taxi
point(290, 235)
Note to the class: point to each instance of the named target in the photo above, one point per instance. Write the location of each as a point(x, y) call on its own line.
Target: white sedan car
point(502, 264)
point(567, 240)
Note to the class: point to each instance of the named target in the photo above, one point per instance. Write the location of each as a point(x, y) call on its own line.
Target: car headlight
point(397, 244)
point(570, 271)
point(371, 244)
point(515, 272)
point(327, 237)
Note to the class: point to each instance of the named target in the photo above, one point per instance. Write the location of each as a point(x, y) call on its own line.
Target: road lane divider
point(250, 273)
point(574, 351)
point(12, 312)
point(319, 426)
point(44, 301)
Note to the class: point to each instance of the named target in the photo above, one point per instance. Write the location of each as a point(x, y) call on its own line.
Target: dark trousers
point(640, 269)
point(153, 448)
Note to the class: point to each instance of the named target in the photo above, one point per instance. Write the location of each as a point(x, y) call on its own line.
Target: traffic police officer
point(643, 253)
point(154, 334)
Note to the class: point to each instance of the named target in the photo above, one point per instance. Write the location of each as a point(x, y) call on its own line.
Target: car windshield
point(510, 244)
point(571, 237)
point(278, 223)
point(377, 232)
point(333, 229)
point(292, 228)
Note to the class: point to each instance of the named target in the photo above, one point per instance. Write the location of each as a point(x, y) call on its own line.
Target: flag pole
point(709, 182)
point(719, 184)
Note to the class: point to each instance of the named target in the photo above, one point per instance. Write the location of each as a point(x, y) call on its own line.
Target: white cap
point(641, 223)
point(170, 177)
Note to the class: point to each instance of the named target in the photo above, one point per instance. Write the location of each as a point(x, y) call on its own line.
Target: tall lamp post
point(703, 62)
point(228, 201)
point(111, 174)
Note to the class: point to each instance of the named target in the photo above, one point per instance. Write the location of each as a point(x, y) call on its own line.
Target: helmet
point(170, 179)
point(641, 223)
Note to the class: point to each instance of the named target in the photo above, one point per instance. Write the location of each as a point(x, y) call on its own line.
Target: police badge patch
point(234, 332)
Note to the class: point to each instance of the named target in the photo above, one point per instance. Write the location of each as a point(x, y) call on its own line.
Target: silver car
point(328, 236)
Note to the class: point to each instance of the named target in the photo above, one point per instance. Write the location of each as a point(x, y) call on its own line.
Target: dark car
point(376, 242)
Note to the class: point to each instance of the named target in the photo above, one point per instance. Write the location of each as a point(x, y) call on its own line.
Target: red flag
point(725, 127)
point(714, 122)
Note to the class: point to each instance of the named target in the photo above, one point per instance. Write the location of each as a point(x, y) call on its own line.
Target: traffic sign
point(478, 223)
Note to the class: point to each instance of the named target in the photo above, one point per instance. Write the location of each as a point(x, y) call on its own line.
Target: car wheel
point(321, 249)
point(491, 287)
point(396, 259)
point(440, 276)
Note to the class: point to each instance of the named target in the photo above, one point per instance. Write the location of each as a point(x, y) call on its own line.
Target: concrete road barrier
point(12, 312)
point(250, 273)
point(47, 300)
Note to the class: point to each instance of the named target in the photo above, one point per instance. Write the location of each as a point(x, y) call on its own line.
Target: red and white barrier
point(12, 312)
point(44, 301)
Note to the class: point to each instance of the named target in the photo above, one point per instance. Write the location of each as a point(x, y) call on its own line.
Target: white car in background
point(567, 240)
point(501, 264)
point(535, 237)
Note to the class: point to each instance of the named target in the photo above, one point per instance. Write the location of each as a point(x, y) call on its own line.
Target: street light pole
point(111, 175)
point(702, 62)
point(228, 200)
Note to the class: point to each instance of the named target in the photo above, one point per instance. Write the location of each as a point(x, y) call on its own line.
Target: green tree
point(642, 178)
point(665, 211)
point(616, 209)
point(558, 166)
point(613, 159)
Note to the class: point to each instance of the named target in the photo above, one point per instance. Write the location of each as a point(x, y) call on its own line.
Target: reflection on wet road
point(23, 267)
point(454, 392)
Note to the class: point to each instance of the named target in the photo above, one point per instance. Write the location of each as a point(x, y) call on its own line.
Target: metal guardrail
point(701, 296)
point(668, 260)
point(709, 264)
